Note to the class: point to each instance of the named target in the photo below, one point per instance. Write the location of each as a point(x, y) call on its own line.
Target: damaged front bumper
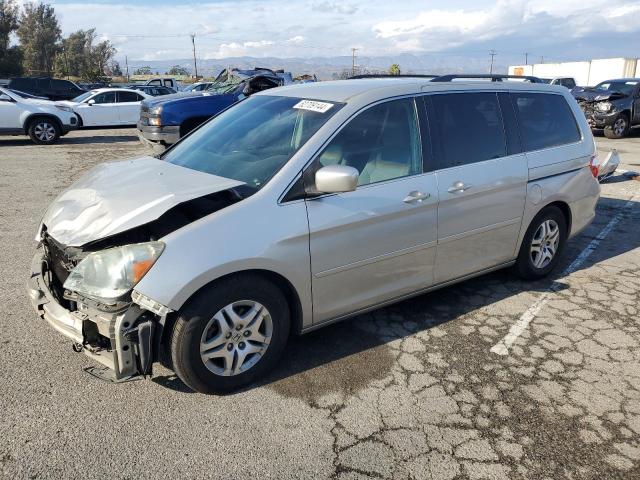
point(126, 341)
point(596, 118)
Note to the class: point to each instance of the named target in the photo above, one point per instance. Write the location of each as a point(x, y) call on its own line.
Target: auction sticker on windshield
point(313, 105)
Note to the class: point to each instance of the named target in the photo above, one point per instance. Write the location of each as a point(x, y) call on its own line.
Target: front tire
point(542, 244)
point(44, 131)
point(230, 334)
point(619, 128)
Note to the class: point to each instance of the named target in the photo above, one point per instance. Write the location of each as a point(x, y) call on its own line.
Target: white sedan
point(108, 107)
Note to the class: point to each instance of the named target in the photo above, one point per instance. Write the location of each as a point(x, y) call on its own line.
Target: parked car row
point(43, 120)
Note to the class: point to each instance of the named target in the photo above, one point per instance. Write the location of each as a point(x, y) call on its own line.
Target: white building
point(587, 73)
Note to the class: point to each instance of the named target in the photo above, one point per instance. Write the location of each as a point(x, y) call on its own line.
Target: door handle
point(459, 187)
point(416, 196)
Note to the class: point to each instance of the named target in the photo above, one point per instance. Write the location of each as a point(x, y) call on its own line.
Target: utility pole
point(542, 59)
point(526, 58)
point(195, 64)
point(126, 62)
point(353, 61)
point(493, 54)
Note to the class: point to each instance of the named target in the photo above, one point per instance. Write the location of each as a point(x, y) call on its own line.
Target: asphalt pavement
point(494, 378)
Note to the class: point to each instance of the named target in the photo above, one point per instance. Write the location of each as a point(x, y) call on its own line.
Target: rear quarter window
point(466, 128)
point(545, 120)
point(22, 83)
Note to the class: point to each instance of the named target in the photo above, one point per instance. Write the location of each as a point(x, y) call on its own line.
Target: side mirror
point(246, 89)
point(337, 179)
point(91, 102)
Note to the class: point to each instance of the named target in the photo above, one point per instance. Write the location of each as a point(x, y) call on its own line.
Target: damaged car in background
point(164, 120)
point(612, 105)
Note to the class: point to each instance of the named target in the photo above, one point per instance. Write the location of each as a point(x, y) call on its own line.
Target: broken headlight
point(604, 106)
point(108, 274)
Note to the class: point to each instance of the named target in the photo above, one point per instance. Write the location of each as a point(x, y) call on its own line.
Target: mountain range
point(326, 68)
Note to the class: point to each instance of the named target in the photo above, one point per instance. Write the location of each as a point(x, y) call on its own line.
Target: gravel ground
point(409, 391)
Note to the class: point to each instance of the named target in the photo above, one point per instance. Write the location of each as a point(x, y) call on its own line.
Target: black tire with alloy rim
point(44, 131)
point(542, 244)
point(230, 334)
point(619, 128)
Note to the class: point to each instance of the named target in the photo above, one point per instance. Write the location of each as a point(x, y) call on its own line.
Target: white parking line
point(502, 347)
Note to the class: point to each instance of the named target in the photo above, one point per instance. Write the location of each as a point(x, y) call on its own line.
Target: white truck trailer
point(587, 73)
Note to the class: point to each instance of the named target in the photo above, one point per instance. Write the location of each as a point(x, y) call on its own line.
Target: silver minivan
point(305, 205)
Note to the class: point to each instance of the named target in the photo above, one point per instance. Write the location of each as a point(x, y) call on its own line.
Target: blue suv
point(168, 118)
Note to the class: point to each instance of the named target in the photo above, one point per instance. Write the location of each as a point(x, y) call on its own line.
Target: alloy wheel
point(619, 126)
point(44, 131)
point(236, 338)
point(544, 244)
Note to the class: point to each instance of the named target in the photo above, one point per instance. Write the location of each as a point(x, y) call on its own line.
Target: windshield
point(252, 140)
point(220, 88)
point(83, 97)
point(622, 87)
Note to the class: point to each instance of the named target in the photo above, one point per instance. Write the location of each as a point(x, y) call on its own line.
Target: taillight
point(594, 166)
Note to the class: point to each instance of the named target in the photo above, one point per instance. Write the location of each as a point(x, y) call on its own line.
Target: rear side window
point(61, 85)
point(106, 97)
point(545, 120)
point(22, 84)
point(128, 97)
point(465, 128)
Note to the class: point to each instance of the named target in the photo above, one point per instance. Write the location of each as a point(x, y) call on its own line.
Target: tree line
point(42, 51)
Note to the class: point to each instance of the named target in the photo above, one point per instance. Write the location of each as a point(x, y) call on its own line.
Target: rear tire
point(619, 129)
point(205, 352)
point(542, 244)
point(44, 131)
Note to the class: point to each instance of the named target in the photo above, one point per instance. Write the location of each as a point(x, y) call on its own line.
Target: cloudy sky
point(555, 29)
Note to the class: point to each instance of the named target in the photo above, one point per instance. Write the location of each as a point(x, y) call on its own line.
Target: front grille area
point(587, 107)
point(59, 265)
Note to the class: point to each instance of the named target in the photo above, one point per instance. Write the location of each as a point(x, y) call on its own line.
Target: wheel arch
point(565, 209)
point(34, 116)
point(285, 286)
point(561, 204)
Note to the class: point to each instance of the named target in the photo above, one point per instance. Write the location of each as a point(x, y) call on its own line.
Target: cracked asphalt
point(411, 391)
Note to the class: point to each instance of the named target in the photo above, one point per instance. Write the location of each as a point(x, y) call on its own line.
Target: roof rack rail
point(492, 76)
point(388, 75)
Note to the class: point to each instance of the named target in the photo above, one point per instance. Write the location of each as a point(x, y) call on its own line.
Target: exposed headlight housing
point(604, 106)
point(155, 121)
point(64, 108)
point(157, 110)
point(108, 274)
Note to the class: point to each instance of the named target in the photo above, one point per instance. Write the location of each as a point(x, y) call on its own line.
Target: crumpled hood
point(115, 197)
point(593, 95)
